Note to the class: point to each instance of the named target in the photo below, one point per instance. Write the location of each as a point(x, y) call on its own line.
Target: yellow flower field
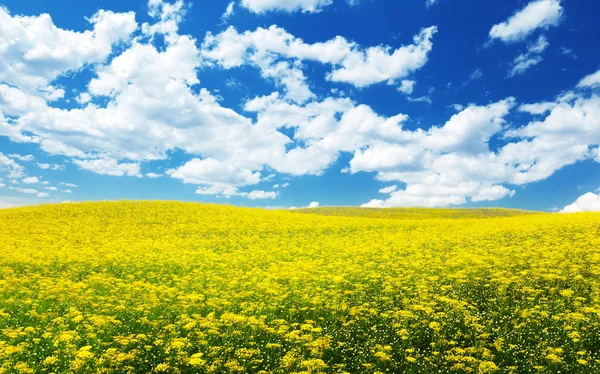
point(165, 287)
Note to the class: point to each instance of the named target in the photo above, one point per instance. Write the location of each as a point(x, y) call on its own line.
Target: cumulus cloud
point(407, 86)
point(107, 166)
point(278, 54)
point(10, 167)
point(37, 51)
point(314, 204)
point(30, 180)
point(388, 190)
point(592, 80)
point(289, 6)
point(154, 175)
point(45, 166)
point(260, 195)
point(538, 14)
point(590, 202)
point(218, 177)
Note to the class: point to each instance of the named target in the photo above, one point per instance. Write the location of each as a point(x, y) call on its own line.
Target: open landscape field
point(169, 287)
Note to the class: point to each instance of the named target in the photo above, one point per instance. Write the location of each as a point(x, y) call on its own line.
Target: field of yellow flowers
point(166, 287)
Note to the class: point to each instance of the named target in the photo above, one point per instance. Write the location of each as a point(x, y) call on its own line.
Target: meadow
point(166, 287)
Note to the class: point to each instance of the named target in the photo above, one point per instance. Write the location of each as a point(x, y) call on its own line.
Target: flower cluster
point(166, 287)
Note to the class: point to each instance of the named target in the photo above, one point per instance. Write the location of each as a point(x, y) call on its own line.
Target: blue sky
point(281, 103)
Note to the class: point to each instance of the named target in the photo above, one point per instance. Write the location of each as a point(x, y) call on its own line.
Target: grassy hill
point(170, 287)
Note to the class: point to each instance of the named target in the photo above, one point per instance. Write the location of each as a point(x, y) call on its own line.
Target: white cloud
point(429, 3)
point(210, 171)
point(537, 14)
point(55, 167)
point(259, 195)
point(407, 86)
point(523, 63)
point(26, 158)
point(272, 49)
point(229, 11)
point(527, 60)
point(289, 6)
point(218, 177)
point(490, 193)
point(154, 175)
point(42, 194)
point(592, 80)
point(83, 98)
point(590, 202)
point(67, 191)
point(539, 45)
point(10, 167)
point(537, 108)
point(388, 190)
point(52, 188)
point(30, 180)
point(36, 51)
point(107, 166)
point(68, 184)
point(27, 190)
point(168, 16)
point(314, 204)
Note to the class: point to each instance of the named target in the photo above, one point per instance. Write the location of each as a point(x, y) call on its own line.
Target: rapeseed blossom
point(165, 287)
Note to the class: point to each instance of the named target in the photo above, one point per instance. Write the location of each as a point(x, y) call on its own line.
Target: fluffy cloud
point(538, 14)
point(33, 51)
point(55, 167)
point(590, 202)
point(388, 190)
point(260, 195)
point(592, 80)
point(218, 177)
point(30, 180)
point(289, 6)
point(10, 167)
point(350, 63)
point(407, 86)
point(441, 171)
point(314, 204)
point(107, 166)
